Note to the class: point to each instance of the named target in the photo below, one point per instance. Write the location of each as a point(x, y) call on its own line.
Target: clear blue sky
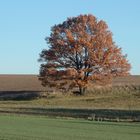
point(25, 23)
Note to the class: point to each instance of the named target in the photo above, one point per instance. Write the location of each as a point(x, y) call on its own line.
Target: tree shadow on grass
point(100, 114)
point(18, 95)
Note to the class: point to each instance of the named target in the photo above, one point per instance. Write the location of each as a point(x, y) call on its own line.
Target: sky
point(24, 25)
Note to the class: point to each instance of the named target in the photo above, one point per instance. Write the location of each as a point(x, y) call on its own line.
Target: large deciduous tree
point(81, 50)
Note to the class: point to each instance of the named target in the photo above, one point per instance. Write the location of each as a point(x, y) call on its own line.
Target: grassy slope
point(35, 128)
point(123, 98)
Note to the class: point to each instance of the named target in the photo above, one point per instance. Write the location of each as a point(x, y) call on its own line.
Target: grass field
point(21, 94)
point(119, 103)
point(127, 98)
point(41, 128)
point(113, 104)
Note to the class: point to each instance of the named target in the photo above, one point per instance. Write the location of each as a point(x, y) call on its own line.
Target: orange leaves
point(101, 26)
point(82, 83)
point(71, 72)
point(69, 36)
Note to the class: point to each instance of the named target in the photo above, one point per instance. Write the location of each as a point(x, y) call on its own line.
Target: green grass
point(41, 128)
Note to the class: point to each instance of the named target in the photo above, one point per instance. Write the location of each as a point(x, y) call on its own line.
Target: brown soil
point(31, 82)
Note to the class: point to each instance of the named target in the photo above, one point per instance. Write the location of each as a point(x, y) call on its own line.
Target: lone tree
point(81, 50)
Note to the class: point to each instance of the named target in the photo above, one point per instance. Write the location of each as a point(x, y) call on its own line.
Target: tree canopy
point(81, 50)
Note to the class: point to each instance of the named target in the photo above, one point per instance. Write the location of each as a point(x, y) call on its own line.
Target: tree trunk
point(82, 90)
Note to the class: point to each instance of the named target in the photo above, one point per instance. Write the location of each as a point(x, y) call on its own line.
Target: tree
point(81, 50)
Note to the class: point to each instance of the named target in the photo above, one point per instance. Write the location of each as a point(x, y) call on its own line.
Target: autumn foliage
point(81, 50)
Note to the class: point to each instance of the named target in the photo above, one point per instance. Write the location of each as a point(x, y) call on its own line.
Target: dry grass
point(125, 97)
